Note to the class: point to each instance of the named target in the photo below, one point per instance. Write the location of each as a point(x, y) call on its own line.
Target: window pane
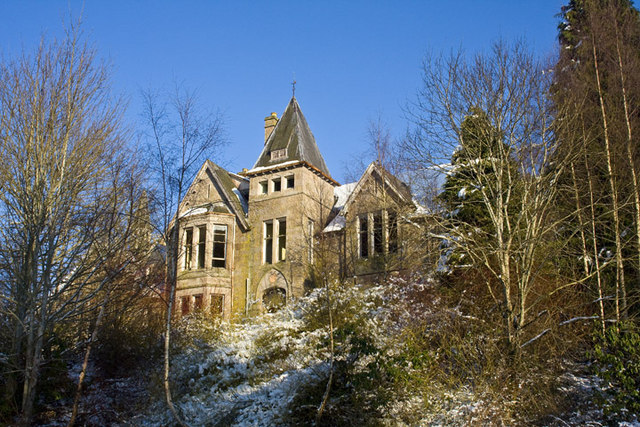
point(188, 249)
point(377, 233)
point(264, 185)
point(363, 230)
point(393, 232)
point(219, 246)
point(290, 182)
point(277, 184)
point(282, 239)
point(202, 239)
point(268, 242)
point(311, 240)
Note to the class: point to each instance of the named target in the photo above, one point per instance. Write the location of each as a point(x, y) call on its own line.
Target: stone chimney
point(269, 123)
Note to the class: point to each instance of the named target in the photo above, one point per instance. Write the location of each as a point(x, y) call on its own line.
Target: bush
point(616, 355)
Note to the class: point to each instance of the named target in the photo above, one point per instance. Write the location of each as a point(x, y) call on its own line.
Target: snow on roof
point(243, 202)
point(336, 224)
point(342, 194)
point(195, 211)
point(263, 168)
point(235, 175)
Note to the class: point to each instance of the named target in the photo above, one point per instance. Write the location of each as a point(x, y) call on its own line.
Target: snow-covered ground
point(258, 371)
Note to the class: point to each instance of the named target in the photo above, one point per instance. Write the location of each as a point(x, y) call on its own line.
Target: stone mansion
point(248, 240)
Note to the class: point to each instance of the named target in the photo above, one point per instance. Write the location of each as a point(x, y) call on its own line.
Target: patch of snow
point(336, 224)
point(277, 165)
point(243, 202)
point(342, 194)
point(194, 211)
point(462, 194)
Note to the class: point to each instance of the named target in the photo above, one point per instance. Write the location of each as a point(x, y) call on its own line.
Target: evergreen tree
point(597, 89)
point(471, 169)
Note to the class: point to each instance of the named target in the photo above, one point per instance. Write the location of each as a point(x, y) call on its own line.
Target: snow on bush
point(273, 369)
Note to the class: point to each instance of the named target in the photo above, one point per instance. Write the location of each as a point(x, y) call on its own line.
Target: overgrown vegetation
point(536, 208)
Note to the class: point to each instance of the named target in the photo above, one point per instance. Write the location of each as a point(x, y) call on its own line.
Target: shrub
point(616, 354)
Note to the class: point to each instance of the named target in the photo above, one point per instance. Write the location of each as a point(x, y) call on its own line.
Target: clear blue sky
point(352, 60)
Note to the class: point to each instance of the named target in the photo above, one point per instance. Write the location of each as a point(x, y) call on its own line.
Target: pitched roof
point(293, 136)
point(233, 198)
point(346, 194)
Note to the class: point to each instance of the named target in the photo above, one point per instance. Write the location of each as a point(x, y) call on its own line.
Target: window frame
point(290, 182)
point(377, 233)
point(188, 248)
point(276, 184)
point(392, 232)
point(267, 242)
point(219, 244)
point(363, 236)
point(202, 246)
point(282, 240)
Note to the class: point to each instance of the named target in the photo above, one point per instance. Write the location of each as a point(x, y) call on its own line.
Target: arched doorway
point(272, 291)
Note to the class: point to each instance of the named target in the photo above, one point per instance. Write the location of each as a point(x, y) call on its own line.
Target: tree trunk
point(327, 390)
point(85, 362)
point(171, 274)
point(621, 291)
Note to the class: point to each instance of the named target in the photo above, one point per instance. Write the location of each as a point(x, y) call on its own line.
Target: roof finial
point(293, 85)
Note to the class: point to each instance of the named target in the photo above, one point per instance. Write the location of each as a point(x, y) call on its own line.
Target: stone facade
point(248, 239)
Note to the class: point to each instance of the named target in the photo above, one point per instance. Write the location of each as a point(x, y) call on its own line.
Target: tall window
point(363, 235)
point(392, 220)
point(188, 248)
point(268, 242)
point(282, 239)
point(311, 239)
point(202, 241)
point(219, 246)
point(378, 234)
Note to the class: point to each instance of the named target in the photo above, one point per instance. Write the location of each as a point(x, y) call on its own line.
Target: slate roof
point(230, 192)
point(293, 134)
point(231, 197)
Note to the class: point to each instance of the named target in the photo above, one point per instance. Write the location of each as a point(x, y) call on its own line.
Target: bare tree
point(507, 154)
point(60, 137)
point(181, 137)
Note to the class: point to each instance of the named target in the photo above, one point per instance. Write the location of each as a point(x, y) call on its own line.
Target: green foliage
point(471, 170)
point(616, 355)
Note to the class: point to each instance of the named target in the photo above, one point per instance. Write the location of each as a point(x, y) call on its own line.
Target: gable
point(376, 188)
point(215, 190)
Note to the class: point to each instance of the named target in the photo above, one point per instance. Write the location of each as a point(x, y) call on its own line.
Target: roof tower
point(291, 140)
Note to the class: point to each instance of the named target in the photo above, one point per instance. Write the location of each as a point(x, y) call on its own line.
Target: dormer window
point(278, 154)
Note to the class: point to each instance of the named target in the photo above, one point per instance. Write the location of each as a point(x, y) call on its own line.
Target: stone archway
point(273, 291)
